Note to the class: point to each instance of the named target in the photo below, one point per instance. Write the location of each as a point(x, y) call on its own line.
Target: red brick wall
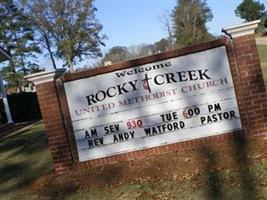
point(249, 87)
point(255, 104)
point(54, 126)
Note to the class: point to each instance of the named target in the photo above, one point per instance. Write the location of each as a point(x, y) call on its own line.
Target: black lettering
point(202, 120)
point(115, 139)
point(87, 135)
point(214, 117)
point(97, 142)
point(90, 144)
point(182, 76)
point(170, 78)
point(217, 107)
point(214, 107)
point(232, 114)
point(156, 79)
point(130, 72)
point(120, 74)
point(120, 137)
point(92, 133)
point(133, 84)
point(226, 115)
point(169, 116)
point(141, 70)
point(203, 74)
point(108, 92)
point(167, 64)
point(100, 95)
point(182, 124)
point(106, 128)
point(90, 99)
point(132, 134)
point(147, 131)
point(192, 75)
point(121, 88)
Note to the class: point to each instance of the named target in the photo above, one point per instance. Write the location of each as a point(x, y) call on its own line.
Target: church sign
point(154, 104)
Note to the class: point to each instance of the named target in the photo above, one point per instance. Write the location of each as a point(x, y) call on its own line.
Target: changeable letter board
point(155, 104)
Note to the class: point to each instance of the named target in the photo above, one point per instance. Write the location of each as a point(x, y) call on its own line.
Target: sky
point(133, 22)
point(128, 22)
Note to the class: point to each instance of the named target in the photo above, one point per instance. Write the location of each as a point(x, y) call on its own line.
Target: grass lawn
point(262, 50)
point(24, 156)
point(234, 170)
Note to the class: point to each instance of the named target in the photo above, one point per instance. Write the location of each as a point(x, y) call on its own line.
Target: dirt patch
point(236, 155)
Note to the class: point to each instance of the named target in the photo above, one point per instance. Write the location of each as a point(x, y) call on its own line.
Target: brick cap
point(242, 29)
point(46, 76)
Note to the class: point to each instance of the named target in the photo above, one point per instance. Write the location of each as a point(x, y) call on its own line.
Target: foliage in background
point(120, 53)
point(117, 54)
point(38, 14)
point(189, 20)
point(250, 10)
point(17, 38)
point(70, 26)
point(166, 21)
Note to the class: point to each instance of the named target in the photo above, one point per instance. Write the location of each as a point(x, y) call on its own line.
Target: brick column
point(250, 73)
point(53, 118)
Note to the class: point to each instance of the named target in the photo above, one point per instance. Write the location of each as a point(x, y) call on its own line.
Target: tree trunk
point(16, 79)
point(23, 65)
point(70, 64)
point(50, 52)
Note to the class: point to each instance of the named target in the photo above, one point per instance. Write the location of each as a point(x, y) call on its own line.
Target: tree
point(38, 14)
point(165, 20)
point(16, 37)
point(189, 19)
point(145, 50)
point(72, 26)
point(250, 10)
point(163, 45)
point(117, 54)
point(67, 26)
point(120, 53)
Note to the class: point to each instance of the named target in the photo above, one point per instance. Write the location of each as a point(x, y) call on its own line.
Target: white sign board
point(159, 103)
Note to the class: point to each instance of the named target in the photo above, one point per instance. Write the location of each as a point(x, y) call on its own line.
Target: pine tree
point(16, 37)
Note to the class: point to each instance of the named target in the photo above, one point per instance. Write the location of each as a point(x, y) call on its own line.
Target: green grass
point(262, 51)
point(24, 156)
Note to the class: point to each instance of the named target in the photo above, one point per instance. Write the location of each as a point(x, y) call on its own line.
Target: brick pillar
point(248, 63)
point(53, 118)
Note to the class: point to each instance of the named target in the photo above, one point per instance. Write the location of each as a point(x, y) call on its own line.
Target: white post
point(3, 94)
